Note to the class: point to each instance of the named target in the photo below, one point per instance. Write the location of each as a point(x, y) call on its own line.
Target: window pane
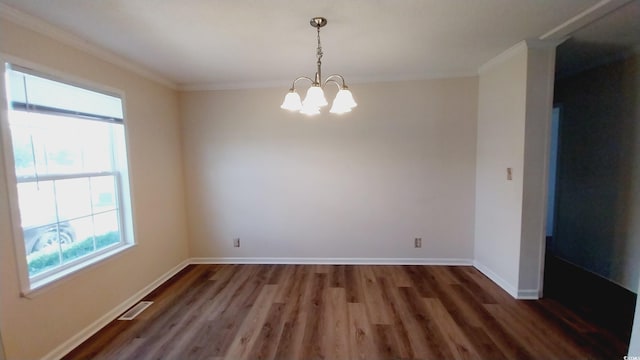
point(23, 157)
point(103, 193)
point(63, 156)
point(79, 240)
point(97, 137)
point(55, 149)
point(74, 198)
point(37, 204)
point(42, 248)
point(107, 230)
point(41, 238)
point(57, 96)
point(60, 145)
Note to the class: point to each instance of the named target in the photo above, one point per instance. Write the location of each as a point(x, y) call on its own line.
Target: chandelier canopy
point(315, 98)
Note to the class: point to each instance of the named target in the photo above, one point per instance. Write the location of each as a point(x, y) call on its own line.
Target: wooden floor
point(345, 312)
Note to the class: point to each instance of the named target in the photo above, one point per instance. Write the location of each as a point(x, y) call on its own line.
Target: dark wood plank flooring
point(590, 295)
point(346, 312)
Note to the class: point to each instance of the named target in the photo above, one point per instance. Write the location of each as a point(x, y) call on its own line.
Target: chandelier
point(315, 98)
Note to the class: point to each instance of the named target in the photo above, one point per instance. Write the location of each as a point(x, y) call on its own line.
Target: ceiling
point(254, 43)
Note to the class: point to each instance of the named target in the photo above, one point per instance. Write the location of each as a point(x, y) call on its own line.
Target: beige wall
point(404, 164)
point(33, 327)
point(362, 185)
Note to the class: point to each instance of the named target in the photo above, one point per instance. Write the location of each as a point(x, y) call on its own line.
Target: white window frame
point(31, 286)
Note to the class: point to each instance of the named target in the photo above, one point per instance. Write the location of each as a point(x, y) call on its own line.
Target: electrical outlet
point(417, 242)
point(236, 242)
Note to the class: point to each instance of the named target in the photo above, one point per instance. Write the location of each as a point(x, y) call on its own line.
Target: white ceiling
point(250, 43)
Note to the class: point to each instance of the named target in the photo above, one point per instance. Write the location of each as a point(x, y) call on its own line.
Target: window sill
point(43, 285)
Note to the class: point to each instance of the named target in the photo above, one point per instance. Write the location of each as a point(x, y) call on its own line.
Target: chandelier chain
point(315, 98)
point(319, 49)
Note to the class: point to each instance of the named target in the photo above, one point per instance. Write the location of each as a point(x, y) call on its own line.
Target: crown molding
point(557, 35)
point(286, 83)
point(46, 29)
point(592, 13)
point(545, 44)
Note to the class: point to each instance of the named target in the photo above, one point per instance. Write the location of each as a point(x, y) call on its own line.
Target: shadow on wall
point(598, 207)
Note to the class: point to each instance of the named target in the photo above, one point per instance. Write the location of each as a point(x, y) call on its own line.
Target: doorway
point(592, 261)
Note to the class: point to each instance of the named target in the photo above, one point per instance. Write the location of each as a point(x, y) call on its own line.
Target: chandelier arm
point(315, 98)
point(331, 78)
point(293, 85)
point(332, 81)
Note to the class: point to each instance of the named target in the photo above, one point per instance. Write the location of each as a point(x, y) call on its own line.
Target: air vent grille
point(135, 310)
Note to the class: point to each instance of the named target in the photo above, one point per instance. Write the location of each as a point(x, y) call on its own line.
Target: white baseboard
point(331, 261)
point(525, 294)
point(504, 284)
point(90, 330)
point(528, 294)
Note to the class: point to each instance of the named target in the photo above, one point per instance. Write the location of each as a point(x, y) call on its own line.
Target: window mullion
point(55, 198)
point(26, 179)
point(93, 216)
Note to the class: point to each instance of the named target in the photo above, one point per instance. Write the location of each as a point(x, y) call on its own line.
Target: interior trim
point(44, 28)
point(331, 261)
point(73, 342)
point(103, 321)
point(504, 284)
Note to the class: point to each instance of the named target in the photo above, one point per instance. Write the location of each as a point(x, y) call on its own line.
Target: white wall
point(32, 328)
point(501, 134)
point(358, 186)
point(539, 105)
point(514, 112)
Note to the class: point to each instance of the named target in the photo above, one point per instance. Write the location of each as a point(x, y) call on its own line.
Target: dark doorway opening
point(592, 260)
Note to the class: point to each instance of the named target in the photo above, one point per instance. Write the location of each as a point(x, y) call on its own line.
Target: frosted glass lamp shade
point(343, 102)
point(338, 108)
point(345, 98)
point(315, 97)
point(291, 101)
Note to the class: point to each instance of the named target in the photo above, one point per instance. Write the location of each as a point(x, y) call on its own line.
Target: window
point(70, 166)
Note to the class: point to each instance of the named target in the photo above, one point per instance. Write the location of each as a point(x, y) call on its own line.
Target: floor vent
point(135, 310)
